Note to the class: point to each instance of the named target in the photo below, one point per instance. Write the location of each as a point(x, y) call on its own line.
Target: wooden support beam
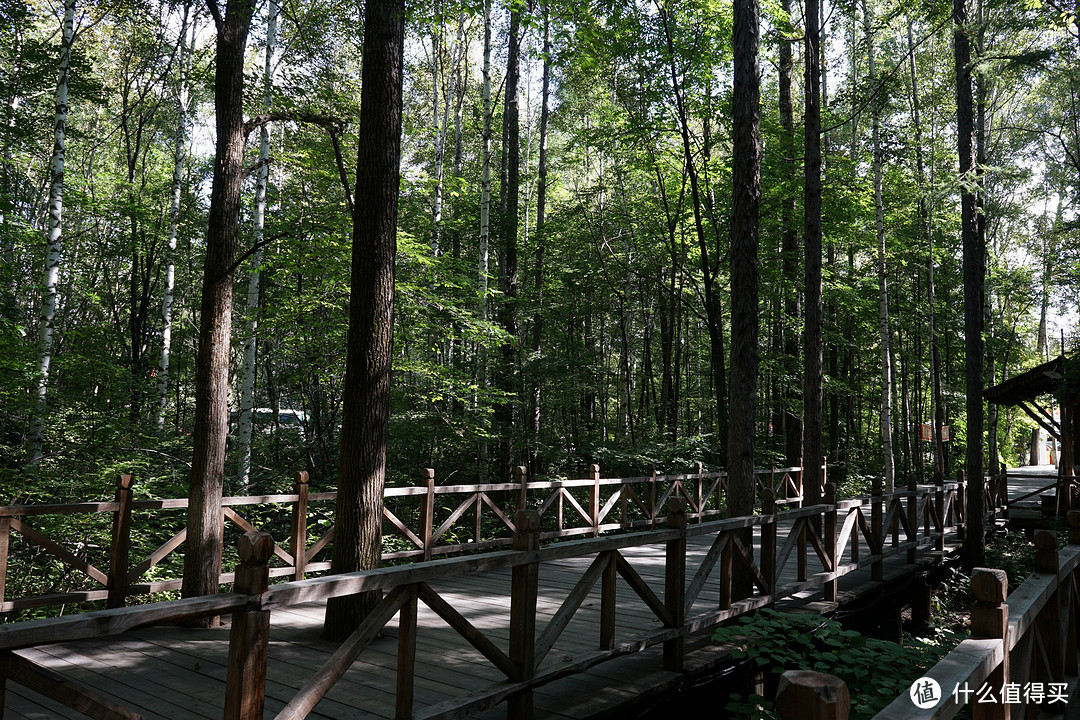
point(120, 543)
point(675, 582)
point(990, 620)
point(249, 637)
point(406, 660)
point(299, 536)
point(523, 593)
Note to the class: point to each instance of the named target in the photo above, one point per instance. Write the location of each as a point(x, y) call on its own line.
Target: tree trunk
point(366, 398)
point(746, 197)
point(974, 274)
point(52, 253)
point(882, 271)
point(541, 219)
point(485, 219)
point(202, 557)
point(179, 146)
point(247, 373)
point(508, 270)
point(789, 249)
point(813, 377)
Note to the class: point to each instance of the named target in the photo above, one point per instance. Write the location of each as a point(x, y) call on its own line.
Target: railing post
point(523, 591)
point(406, 659)
point(1074, 527)
point(699, 469)
point(5, 541)
point(808, 695)
point(427, 510)
point(939, 513)
point(768, 538)
point(801, 474)
point(594, 499)
point(521, 474)
point(298, 541)
point(120, 550)
point(912, 519)
point(1003, 491)
point(1049, 620)
point(245, 685)
point(772, 482)
point(877, 530)
point(651, 502)
point(960, 506)
point(829, 541)
point(990, 619)
point(675, 583)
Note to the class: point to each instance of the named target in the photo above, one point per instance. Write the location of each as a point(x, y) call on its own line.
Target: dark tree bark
point(508, 269)
point(789, 249)
point(366, 398)
point(746, 197)
point(813, 377)
point(541, 220)
point(974, 274)
point(202, 554)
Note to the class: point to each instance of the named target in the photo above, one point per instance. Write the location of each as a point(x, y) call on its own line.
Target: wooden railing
point(1028, 640)
point(420, 522)
point(903, 521)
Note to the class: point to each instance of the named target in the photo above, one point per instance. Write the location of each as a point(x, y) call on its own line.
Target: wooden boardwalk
point(179, 674)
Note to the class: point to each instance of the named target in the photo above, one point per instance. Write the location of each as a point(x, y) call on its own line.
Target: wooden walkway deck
point(179, 674)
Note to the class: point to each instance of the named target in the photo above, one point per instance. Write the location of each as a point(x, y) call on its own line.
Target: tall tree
point(366, 413)
point(202, 556)
point(185, 50)
point(882, 269)
point(508, 249)
point(56, 213)
point(746, 197)
point(247, 371)
point(789, 249)
point(974, 275)
point(813, 327)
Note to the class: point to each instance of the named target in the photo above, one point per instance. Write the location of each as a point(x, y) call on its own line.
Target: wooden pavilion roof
point(1029, 385)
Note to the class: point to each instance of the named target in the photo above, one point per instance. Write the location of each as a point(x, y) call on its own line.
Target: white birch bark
point(882, 269)
point(52, 252)
point(247, 376)
point(485, 212)
point(179, 146)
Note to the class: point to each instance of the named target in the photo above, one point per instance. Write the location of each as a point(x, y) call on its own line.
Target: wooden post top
point(255, 548)
point(124, 482)
point(808, 695)
point(1046, 552)
point(520, 472)
point(427, 474)
point(526, 530)
point(676, 509)
point(594, 471)
point(830, 494)
point(699, 467)
point(989, 585)
point(768, 501)
point(301, 477)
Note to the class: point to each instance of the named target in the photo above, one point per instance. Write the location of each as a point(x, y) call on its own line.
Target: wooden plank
point(971, 662)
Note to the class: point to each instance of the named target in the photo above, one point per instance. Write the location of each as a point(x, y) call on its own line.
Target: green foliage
point(876, 671)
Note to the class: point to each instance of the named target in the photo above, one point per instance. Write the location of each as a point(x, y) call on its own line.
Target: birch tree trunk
point(202, 556)
point(52, 252)
point(485, 218)
point(247, 378)
point(179, 146)
point(884, 335)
